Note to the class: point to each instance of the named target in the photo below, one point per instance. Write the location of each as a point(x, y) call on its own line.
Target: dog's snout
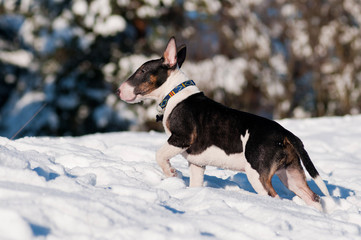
point(126, 92)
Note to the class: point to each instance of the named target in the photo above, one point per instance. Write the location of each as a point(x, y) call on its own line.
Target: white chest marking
point(215, 156)
point(173, 101)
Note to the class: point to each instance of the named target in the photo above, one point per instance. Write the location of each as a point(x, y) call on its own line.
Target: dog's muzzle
point(126, 93)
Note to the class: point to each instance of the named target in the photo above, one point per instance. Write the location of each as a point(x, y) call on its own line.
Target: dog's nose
point(118, 92)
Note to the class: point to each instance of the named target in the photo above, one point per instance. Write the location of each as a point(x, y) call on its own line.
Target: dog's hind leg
point(196, 175)
point(166, 152)
point(293, 177)
point(266, 180)
point(261, 183)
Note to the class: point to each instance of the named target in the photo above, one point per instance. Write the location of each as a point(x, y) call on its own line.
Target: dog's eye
point(143, 70)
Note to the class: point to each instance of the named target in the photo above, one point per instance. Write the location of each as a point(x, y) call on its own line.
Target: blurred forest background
point(276, 58)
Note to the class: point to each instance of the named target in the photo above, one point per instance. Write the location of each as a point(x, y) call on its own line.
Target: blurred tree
point(276, 58)
point(322, 43)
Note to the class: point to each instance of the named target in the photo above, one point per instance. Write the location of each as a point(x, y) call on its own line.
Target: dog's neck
point(177, 77)
point(176, 90)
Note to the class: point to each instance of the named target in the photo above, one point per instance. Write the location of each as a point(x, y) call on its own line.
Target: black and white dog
point(208, 133)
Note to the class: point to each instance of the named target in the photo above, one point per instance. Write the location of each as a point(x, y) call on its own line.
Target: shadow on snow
point(240, 180)
point(39, 230)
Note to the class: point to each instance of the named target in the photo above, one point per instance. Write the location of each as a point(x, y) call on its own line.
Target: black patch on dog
point(198, 122)
point(152, 74)
point(148, 77)
point(159, 118)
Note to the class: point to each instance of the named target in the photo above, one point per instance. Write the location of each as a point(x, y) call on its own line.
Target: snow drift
point(108, 186)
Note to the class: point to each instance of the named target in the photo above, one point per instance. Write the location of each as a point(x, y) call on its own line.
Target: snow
point(108, 186)
point(27, 99)
point(110, 26)
point(98, 15)
point(289, 10)
point(147, 11)
point(80, 7)
point(19, 58)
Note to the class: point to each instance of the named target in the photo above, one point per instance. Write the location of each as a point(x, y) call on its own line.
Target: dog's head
point(149, 77)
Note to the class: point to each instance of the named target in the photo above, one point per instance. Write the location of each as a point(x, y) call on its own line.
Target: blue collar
point(175, 90)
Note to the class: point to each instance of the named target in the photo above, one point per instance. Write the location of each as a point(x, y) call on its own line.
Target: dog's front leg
point(166, 152)
point(196, 175)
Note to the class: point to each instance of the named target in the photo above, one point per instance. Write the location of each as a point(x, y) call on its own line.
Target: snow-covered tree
point(274, 58)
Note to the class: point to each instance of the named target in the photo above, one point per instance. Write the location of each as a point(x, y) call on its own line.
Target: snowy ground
point(108, 186)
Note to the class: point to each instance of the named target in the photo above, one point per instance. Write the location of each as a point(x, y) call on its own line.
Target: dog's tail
point(301, 152)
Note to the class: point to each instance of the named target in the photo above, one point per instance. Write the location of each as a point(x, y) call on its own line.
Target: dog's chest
point(220, 147)
point(173, 102)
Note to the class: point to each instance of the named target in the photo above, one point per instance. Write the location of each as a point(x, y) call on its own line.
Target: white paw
point(171, 172)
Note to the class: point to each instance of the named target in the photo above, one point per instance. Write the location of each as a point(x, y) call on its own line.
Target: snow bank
point(108, 186)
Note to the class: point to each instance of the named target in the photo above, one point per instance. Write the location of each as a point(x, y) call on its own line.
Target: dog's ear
point(170, 53)
point(181, 55)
